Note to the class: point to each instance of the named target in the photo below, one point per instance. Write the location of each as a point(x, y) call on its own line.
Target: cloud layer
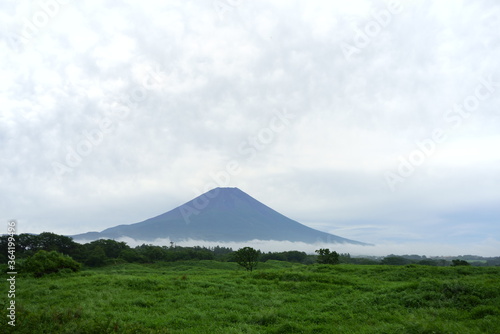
point(377, 121)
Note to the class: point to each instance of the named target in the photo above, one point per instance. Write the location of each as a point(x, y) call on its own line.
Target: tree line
point(106, 251)
point(34, 250)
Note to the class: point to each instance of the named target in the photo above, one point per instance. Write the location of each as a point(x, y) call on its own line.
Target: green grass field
point(278, 297)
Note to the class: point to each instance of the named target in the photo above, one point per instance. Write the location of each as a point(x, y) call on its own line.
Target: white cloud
point(185, 85)
point(488, 247)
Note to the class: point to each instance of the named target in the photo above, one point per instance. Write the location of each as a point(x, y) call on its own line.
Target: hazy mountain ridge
point(221, 214)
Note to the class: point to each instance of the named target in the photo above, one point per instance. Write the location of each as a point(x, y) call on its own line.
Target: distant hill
point(221, 214)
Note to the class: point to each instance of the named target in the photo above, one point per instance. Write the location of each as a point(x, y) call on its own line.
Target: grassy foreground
point(278, 297)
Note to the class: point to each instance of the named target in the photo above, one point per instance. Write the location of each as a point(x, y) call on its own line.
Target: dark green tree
point(344, 258)
point(28, 244)
point(455, 263)
point(151, 253)
point(50, 241)
point(131, 255)
point(327, 257)
point(395, 260)
point(428, 262)
point(247, 257)
point(96, 257)
point(111, 248)
point(289, 256)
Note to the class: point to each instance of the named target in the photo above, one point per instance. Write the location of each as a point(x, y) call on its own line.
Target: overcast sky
point(376, 121)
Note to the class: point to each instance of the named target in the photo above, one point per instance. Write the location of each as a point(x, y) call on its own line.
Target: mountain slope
point(221, 214)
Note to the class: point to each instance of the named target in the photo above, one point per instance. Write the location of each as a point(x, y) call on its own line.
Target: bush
point(482, 311)
point(44, 262)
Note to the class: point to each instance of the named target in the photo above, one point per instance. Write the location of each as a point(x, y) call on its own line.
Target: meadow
point(277, 297)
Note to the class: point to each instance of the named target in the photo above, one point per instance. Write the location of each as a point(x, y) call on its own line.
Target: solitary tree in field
point(327, 257)
point(247, 257)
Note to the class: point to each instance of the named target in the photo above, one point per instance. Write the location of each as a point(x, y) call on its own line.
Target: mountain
point(221, 214)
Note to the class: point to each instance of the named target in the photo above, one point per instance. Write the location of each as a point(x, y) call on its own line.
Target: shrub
point(482, 311)
point(44, 262)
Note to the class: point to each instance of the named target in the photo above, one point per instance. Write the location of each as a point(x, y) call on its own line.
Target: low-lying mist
point(487, 248)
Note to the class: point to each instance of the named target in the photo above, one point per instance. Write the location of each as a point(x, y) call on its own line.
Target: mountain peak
point(222, 214)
